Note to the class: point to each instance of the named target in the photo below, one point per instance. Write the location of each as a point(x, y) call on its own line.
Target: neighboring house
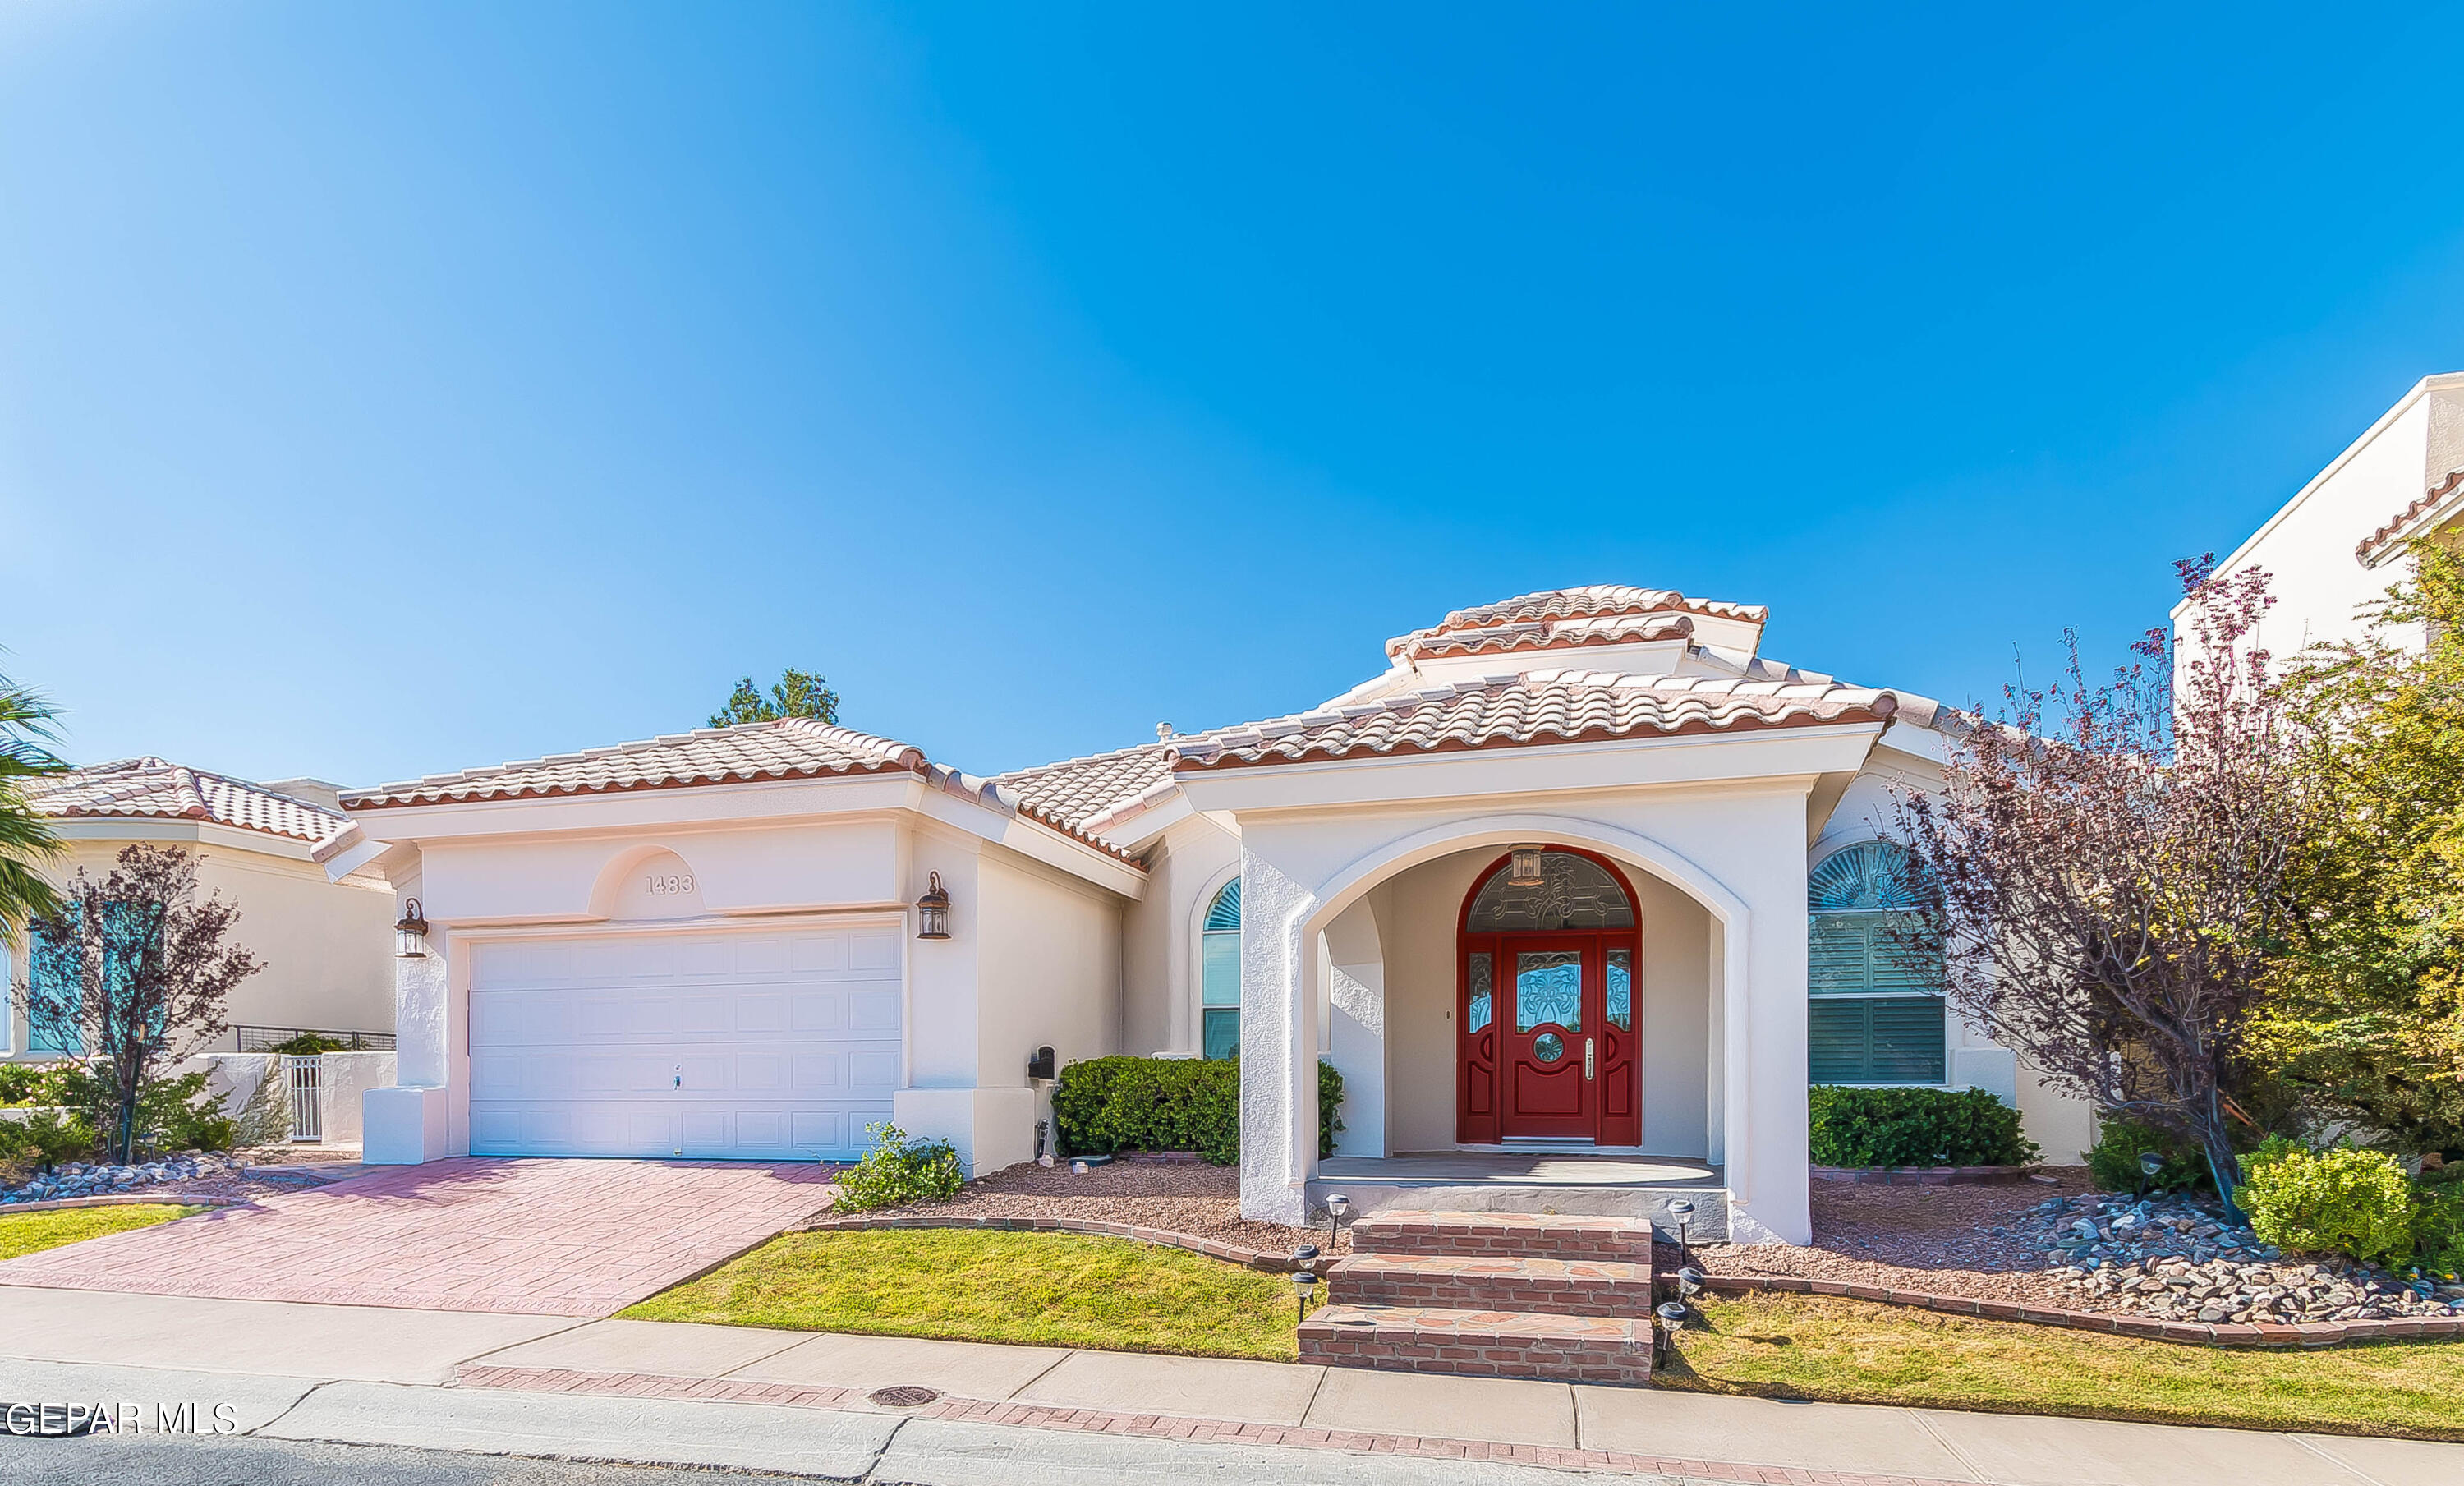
point(328, 944)
point(2338, 545)
point(1578, 871)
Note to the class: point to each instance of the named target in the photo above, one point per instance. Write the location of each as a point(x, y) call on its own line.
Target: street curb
point(1160, 1426)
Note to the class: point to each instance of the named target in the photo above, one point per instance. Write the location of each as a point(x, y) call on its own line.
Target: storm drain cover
point(902, 1397)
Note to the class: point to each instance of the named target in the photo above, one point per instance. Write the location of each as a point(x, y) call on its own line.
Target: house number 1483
point(670, 884)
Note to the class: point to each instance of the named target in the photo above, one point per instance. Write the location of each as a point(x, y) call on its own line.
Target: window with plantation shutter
point(1876, 1011)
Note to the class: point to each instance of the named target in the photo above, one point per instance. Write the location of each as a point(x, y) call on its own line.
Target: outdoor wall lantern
point(1525, 870)
point(409, 931)
point(932, 911)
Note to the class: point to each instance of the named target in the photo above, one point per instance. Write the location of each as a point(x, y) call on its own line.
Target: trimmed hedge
point(1101, 1105)
point(1915, 1127)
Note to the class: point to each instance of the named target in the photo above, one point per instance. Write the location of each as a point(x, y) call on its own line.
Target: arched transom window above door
point(1218, 974)
point(1573, 893)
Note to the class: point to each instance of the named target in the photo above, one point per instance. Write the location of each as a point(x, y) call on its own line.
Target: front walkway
point(521, 1237)
point(802, 1402)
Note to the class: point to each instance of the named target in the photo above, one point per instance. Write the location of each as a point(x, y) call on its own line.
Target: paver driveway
point(524, 1237)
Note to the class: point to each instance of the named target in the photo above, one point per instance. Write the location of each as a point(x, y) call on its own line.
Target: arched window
point(1876, 1015)
point(1218, 990)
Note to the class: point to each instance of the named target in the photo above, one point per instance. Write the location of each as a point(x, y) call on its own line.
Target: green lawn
point(1807, 1346)
point(1039, 1289)
point(26, 1232)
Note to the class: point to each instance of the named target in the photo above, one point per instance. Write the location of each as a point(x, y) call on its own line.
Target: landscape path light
point(2150, 1164)
point(1304, 1275)
point(1337, 1207)
point(1683, 1211)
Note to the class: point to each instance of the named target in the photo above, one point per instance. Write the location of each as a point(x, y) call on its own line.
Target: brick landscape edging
point(125, 1200)
point(2306, 1334)
point(1923, 1176)
point(1231, 1253)
point(1166, 1427)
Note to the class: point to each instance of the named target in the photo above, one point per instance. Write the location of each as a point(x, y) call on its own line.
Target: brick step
point(1480, 1343)
point(1493, 1282)
point(1514, 1235)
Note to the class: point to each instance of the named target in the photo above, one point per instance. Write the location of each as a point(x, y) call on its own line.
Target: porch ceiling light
point(410, 932)
point(932, 911)
point(1524, 870)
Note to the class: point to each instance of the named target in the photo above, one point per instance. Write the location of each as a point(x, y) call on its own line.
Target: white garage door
point(738, 1043)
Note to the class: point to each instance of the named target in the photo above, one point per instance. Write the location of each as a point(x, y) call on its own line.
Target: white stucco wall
point(1049, 975)
point(2307, 546)
point(1160, 944)
point(327, 947)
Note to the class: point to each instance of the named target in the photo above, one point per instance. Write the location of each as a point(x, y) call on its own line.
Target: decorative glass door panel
point(1547, 1040)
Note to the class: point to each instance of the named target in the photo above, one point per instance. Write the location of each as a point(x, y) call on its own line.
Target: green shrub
point(899, 1171)
point(2113, 1162)
point(24, 1084)
point(1915, 1127)
point(56, 1135)
point(1102, 1105)
point(309, 1044)
point(2344, 1200)
point(2438, 1224)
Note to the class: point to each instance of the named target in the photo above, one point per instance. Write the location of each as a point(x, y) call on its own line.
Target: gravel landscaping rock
point(83, 1179)
point(1180, 1197)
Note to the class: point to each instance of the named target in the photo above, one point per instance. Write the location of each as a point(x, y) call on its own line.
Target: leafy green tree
point(798, 693)
point(26, 839)
point(2365, 1006)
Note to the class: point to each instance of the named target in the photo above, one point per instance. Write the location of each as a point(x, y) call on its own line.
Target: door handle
point(1587, 1057)
point(680, 1076)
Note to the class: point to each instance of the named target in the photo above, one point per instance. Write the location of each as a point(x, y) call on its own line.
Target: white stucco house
point(325, 941)
point(1581, 871)
point(2338, 545)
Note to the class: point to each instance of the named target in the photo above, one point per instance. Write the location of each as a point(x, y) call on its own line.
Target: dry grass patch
point(1849, 1351)
point(1035, 1289)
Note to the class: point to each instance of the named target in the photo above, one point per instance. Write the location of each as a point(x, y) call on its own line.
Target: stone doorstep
point(1504, 1235)
point(1540, 1286)
point(1481, 1343)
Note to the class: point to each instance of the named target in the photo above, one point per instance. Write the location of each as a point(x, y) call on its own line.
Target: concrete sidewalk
point(751, 1398)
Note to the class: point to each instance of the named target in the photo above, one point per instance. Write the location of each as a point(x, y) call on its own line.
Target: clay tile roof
point(1535, 708)
point(1601, 614)
point(790, 748)
point(1078, 791)
point(157, 788)
point(747, 753)
point(2379, 541)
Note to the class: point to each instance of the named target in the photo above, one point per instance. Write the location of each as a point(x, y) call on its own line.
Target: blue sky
point(393, 389)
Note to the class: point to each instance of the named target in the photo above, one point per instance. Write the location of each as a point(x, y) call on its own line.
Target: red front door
point(1549, 1028)
point(1549, 1025)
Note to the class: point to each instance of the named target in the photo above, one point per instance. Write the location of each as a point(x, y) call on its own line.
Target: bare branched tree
point(2107, 871)
point(132, 972)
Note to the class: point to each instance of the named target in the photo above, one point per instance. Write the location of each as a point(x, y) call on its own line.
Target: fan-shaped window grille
point(1877, 1013)
point(1575, 893)
point(1219, 974)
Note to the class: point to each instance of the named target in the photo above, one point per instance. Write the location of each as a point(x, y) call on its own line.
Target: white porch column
point(412, 1122)
point(1278, 1045)
point(1762, 1025)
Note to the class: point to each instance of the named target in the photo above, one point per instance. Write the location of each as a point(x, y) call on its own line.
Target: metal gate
point(307, 1105)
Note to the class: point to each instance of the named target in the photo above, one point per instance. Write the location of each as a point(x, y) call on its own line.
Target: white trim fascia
point(753, 803)
point(2437, 383)
point(1154, 822)
point(183, 830)
point(483, 930)
point(1489, 772)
